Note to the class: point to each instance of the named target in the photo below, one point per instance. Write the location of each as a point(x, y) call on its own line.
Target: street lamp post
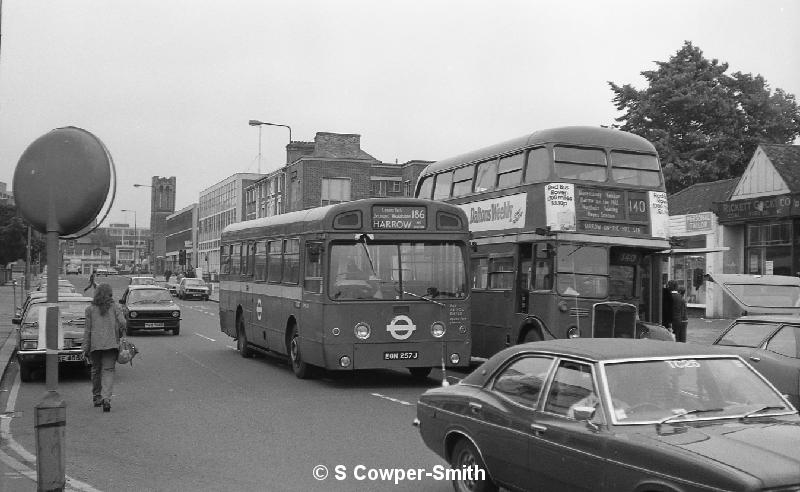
point(136, 238)
point(259, 124)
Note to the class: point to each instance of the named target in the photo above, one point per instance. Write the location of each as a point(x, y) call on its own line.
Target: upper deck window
point(635, 169)
point(578, 163)
point(442, 188)
point(486, 176)
point(538, 167)
point(462, 180)
point(509, 170)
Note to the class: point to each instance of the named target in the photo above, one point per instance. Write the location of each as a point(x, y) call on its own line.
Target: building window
point(379, 188)
point(335, 190)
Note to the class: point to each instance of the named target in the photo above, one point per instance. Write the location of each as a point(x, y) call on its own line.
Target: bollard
point(50, 423)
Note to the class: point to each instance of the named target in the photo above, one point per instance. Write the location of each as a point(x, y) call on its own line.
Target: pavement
point(18, 472)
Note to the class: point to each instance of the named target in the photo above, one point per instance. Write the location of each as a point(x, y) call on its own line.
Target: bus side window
point(486, 176)
point(225, 259)
point(274, 260)
point(538, 167)
point(443, 184)
point(236, 258)
point(462, 181)
point(543, 268)
point(501, 273)
point(509, 170)
point(480, 273)
point(313, 270)
point(260, 261)
point(291, 261)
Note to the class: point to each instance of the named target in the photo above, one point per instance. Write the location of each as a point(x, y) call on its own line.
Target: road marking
point(402, 402)
point(232, 347)
point(27, 469)
point(203, 336)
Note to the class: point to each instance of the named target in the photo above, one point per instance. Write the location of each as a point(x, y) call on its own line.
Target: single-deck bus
point(568, 223)
point(375, 283)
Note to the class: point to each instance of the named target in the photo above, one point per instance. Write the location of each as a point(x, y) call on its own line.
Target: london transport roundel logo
point(401, 327)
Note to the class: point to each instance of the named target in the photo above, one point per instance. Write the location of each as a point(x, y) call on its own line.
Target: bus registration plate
point(400, 355)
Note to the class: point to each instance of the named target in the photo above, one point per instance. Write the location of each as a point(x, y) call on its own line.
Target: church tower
point(162, 204)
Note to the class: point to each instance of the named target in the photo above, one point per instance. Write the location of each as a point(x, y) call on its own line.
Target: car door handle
point(755, 359)
point(538, 429)
point(475, 407)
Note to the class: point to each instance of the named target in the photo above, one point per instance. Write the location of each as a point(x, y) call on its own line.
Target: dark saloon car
point(614, 415)
point(768, 335)
point(31, 344)
point(150, 307)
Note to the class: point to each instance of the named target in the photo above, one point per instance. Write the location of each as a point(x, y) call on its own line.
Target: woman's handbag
point(127, 351)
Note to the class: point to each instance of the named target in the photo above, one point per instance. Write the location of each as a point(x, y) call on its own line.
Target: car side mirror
point(16, 321)
point(583, 413)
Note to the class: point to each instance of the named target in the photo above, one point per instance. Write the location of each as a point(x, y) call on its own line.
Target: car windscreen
point(67, 311)
point(702, 388)
point(765, 295)
point(140, 296)
point(195, 281)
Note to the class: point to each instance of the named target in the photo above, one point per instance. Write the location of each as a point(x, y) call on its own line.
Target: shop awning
point(693, 251)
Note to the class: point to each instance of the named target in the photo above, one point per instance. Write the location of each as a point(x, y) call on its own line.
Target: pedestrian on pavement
point(92, 283)
point(105, 325)
point(666, 305)
point(680, 319)
point(167, 275)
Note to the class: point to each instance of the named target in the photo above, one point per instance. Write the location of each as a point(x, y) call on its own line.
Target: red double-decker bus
point(376, 283)
point(567, 224)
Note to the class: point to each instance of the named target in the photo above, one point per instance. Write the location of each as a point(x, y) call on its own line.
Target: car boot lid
point(761, 294)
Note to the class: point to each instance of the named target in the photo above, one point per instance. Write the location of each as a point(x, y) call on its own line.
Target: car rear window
point(745, 334)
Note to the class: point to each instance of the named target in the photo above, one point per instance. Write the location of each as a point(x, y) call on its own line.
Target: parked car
point(101, 271)
point(73, 269)
point(172, 287)
point(38, 294)
point(143, 281)
point(150, 307)
point(768, 335)
point(63, 286)
point(30, 342)
point(193, 287)
point(614, 415)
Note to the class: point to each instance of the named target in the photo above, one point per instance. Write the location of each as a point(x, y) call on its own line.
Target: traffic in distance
point(368, 284)
point(568, 225)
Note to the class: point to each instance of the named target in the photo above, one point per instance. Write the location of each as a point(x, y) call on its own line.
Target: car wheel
point(302, 369)
point(465, 455)
point(241, 341)
point(419, 372)
point(25, 373)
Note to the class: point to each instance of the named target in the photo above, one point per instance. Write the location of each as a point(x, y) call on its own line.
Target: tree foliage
point(705, 123)
point(14, 236)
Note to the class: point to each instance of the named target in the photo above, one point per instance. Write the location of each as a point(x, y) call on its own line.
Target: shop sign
point(756, 208)
point(699, 222)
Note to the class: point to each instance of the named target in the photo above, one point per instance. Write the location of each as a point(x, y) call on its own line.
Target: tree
point(705, 123)
point(14, 236)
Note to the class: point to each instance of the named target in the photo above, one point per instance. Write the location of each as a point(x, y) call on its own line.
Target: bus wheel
point(301, 369)
point(532, 335)
point(241, 341)
point(419, 372)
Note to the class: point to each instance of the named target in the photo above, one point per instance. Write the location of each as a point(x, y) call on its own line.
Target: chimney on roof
point(338, 144)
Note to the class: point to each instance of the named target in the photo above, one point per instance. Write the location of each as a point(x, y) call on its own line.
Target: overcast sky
point(169, 86)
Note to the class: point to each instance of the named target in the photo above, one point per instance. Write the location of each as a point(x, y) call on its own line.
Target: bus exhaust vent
point(614, 320)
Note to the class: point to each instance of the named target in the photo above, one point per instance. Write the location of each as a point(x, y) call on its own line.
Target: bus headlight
point(362, 331)
point(437, 329)
point(134, 314)
point(344, 361)
point(573, 332)
point(455, 359)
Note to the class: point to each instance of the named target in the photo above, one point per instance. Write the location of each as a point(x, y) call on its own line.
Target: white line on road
point(203, 336)
point(402, 402)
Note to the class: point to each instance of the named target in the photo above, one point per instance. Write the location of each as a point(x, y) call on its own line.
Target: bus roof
point(589, 136)
point(321, 218)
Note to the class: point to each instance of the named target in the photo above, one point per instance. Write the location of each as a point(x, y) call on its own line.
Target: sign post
point(61, 183)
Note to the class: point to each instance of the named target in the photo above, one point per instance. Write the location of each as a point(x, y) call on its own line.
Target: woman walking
point(105, 324)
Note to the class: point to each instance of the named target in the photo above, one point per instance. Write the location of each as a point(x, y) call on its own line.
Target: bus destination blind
point(398, 218)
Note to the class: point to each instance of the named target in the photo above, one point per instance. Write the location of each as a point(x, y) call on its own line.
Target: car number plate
point(70, 358)
point(400, 355)
point(154, 325)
